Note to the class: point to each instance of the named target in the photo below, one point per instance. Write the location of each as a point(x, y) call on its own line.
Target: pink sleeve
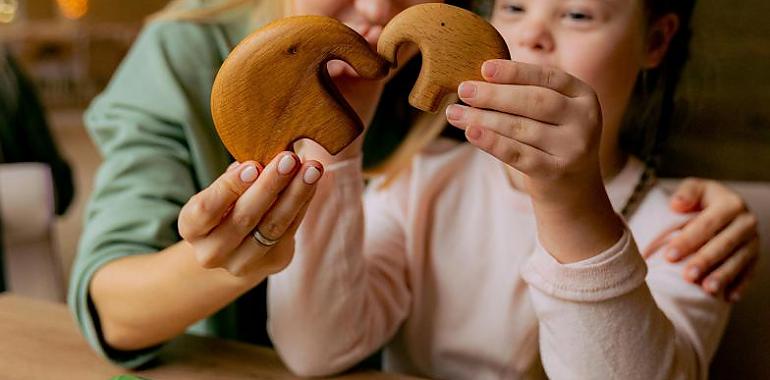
point(600, 319)
point(342, 297)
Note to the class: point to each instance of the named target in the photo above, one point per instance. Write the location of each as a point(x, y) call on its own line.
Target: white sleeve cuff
point(612, 273)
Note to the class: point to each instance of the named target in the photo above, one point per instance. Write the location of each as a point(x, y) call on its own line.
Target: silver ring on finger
point(262, 240)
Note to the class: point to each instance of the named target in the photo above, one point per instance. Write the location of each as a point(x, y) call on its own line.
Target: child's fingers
point(215, 250)
point(730, 271)
point(520, 156)
point(206, 209)
point(537, 103)
point(688, 194)
point(701, 229)
point(738, 233)
point(510, 72)
point(522, 129)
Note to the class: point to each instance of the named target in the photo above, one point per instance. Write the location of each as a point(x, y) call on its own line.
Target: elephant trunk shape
point(454, 44)
point(274, 88)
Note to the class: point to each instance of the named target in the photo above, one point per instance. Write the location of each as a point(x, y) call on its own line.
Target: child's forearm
point(145, 300)
point(578, 226)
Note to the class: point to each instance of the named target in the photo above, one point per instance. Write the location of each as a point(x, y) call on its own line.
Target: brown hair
point(648, 119)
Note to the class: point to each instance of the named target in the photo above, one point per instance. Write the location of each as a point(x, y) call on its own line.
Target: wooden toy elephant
point(274, 89)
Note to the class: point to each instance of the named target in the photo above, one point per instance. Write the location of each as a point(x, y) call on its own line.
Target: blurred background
point(70, 48)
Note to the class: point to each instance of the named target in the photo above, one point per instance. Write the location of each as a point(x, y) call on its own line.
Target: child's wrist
point(577, 223)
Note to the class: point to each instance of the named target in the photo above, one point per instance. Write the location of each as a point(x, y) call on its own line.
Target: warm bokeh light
point(73, 9)
point(8, 10)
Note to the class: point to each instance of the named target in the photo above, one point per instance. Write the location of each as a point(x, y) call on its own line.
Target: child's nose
point(535, 35)
point(377, 12)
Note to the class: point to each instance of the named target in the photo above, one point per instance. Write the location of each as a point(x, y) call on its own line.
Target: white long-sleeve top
point(444, 270)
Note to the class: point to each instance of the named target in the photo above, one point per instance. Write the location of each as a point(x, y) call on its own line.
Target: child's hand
point(541, 121)
point(722, 241)
point(220, 222)
point(546, 124)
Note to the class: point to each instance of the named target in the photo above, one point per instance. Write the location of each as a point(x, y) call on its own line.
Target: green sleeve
point(153, 127)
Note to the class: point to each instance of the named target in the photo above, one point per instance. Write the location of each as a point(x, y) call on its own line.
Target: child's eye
point(579, 16)
point(512, 8)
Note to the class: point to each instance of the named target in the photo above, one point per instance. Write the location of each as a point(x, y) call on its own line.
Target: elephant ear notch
point(274, 88)
point(454, 44)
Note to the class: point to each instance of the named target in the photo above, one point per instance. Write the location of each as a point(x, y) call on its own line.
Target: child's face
point(599, 41)
point(367, 17)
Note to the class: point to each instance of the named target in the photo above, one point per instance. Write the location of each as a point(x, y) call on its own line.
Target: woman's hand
point(220, 222)
point(546, 124)
point(721, 242)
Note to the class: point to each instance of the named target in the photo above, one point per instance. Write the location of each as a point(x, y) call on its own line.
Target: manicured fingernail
point(693, 273)
point(455, 112)
point(249, 173)
point(312, 174)
point(233, 165)
point(473, 133)
point(673, 254)
point(467, 90)
point(489, 69)
point(286, 165)
point(711, 285)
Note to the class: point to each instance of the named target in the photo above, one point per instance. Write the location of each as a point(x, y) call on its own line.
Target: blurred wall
point(725, 95)
point(124, 11)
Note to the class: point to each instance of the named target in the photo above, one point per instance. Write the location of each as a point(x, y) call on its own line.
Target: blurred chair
point(744, 352)
point(32, 267)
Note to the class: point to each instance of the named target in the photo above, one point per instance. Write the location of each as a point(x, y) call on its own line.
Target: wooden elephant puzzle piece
point(454, 44)
point(274, 88)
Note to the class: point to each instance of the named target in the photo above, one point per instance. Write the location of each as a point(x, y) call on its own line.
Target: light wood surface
point(39, 340)
point(454, 43)
point(274, 88)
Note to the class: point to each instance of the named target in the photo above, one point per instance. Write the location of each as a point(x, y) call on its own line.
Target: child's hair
point(648, 119)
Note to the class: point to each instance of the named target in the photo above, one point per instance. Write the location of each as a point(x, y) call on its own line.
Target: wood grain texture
point(40, 341)
point(454, 43)
point(274, 88)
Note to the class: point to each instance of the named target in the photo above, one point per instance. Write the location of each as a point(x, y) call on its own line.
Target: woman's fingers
point(702, 229)
point(277, 221)
point(737, 288)
point(730, 273)
point(246, 259)
point(509, 72)
point(216, 249)
point(739, 232)
point(206, 209)
point(688, 194)
point(533, 133)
